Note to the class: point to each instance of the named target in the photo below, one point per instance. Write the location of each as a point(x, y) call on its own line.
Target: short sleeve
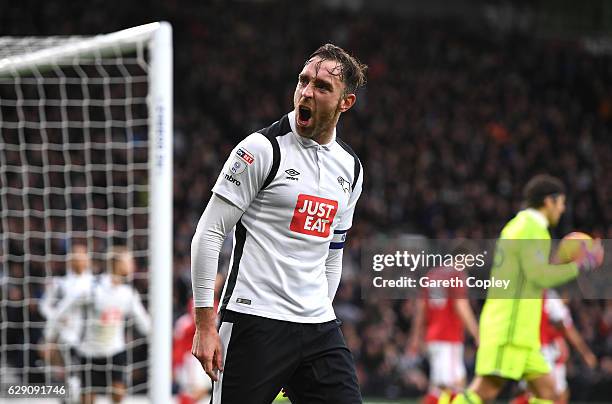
point(558, 312)
point(245, 171)
point(346, 220)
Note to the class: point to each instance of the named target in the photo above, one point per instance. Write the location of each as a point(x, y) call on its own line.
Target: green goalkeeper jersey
point(522, 255)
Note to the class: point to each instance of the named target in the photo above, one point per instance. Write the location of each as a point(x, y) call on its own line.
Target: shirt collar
point(305, 141)
point(537, 216)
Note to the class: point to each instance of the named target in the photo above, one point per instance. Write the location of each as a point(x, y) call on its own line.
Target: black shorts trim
point(311, 361)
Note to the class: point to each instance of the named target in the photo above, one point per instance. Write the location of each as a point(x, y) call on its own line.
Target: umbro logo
point(232, 179)
point(292, 174)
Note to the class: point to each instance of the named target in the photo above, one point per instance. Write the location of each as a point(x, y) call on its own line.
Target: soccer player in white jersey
point(62, 336)
point(104, 307)
point(290, 192)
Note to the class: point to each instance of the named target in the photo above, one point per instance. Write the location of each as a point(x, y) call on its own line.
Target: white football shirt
point(556, 309)
point(104, 308)
point(298, 199)
point(70, 325)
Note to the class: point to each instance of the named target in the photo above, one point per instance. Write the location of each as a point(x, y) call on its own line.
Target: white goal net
point(85, 159)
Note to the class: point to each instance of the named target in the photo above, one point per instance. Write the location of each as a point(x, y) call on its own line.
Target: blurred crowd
point(453, 121)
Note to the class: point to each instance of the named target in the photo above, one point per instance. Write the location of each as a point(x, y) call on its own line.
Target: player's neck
point(541, 216)
point(116, 279)
point(325, 138)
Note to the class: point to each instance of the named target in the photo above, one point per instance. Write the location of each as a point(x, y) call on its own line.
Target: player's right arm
point(64, 306)
point(47, 307)
point(418, 326)
point(50, 298)
point(218, 219)
point(238, 184)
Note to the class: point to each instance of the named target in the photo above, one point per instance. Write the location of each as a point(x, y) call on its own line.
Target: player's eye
point(323, 88)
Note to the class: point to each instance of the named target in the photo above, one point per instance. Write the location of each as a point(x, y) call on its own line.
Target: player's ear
point(347, 102)
point(548, 202)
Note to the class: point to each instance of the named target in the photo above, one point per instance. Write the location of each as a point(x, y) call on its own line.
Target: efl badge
point(237, 166)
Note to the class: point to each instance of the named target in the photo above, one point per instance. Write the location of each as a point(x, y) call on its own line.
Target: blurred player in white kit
point(104, 307)
point(62, 335)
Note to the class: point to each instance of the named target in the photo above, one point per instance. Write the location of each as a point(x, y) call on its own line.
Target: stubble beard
point(321, 127)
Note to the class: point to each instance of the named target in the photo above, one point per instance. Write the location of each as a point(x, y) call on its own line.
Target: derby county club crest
point(346, 186)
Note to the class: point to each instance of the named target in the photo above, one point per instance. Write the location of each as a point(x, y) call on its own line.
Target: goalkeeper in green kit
point(510, 321)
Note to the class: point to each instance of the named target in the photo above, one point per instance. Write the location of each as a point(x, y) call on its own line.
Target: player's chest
point(108, 305)
point(310, 189)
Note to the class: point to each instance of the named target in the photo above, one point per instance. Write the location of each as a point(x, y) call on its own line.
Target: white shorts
point(446, 367)
point(558, 371)
point(551, 354)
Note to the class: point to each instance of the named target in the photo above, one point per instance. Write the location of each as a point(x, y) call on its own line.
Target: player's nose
point(307, 91)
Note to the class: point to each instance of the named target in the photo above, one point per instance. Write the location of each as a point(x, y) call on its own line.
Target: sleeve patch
point(245, 156)
point(237, 166)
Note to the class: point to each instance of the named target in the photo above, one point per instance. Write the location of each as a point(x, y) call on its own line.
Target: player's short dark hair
point(352, 72)
point(541, 186)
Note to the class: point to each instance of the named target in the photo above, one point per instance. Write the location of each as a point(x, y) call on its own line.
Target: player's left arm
point(576, 340)
point(465, 313)
point(141, 318)
point(333, 263)
point(333, 271)
point(560, 315)
point(535, 262)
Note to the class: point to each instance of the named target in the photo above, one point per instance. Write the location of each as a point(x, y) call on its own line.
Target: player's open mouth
point(304, 115)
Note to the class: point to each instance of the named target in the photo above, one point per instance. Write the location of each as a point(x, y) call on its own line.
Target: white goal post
point(151, 47)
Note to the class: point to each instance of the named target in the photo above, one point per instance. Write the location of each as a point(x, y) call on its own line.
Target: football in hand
point(572, 247)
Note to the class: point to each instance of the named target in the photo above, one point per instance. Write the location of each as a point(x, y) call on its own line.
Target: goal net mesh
point(74, 169)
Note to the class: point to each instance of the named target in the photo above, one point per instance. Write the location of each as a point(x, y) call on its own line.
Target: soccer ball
point(571, 247)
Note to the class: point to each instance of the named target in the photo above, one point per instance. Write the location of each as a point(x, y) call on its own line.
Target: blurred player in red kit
point(443, 313)
point(556, 326)
point(193, 385)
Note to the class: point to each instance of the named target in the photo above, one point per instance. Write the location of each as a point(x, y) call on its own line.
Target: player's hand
point(591, 360)
point(207, 349)
point(591, 258)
